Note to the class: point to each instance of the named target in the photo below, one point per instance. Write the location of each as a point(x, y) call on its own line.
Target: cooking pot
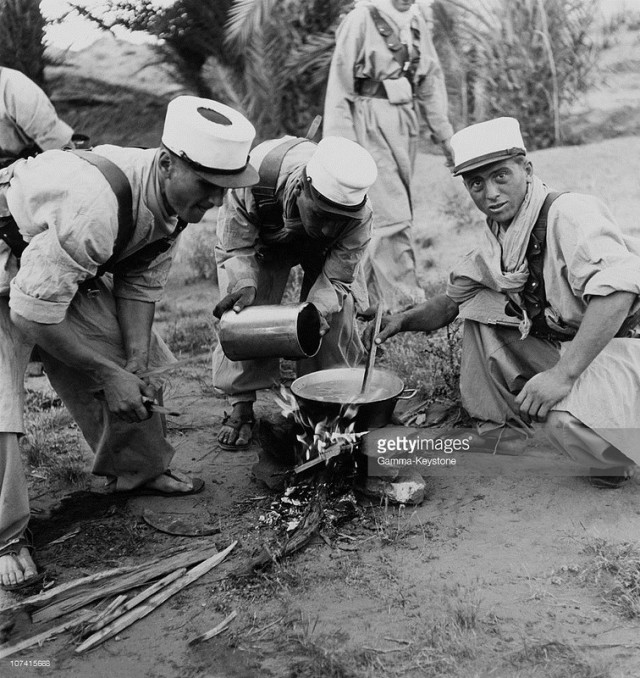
point(322, 395)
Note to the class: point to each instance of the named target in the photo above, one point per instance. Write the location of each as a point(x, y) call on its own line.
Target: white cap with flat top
point(486, 143)
point(213, 139)
point(340, 173)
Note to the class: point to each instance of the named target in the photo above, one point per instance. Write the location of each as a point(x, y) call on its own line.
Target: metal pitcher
point(271, 331)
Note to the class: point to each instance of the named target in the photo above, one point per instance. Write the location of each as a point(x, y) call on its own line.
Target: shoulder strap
point(534, 292)
point(122, 188)
point(119, 185)
point(264, 192)
point(398, 49)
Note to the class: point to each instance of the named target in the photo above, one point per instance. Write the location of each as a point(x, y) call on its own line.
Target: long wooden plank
point(152, 603)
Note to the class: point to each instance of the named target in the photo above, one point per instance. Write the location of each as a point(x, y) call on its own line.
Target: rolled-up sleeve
point(599, 259)
point(70, 224)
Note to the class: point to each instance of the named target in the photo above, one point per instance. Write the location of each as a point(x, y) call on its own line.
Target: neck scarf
point(503, 267)
point(401, 19)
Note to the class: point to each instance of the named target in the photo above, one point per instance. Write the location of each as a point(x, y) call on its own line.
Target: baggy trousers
point(495, 366)
point(132, 453)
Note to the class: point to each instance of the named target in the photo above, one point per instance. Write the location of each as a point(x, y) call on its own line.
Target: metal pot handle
point(407, 393)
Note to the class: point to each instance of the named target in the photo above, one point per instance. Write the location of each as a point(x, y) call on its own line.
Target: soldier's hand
point(448, 153)
point(236, 301)
point(324, 326)
point(542, 392)
point(124, 392)
point(389, 325)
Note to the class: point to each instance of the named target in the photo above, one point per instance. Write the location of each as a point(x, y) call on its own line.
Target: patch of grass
point(554, 659)
point(52, 443)
point(430, 363)
point(190, 335)
point(615, 568)
point(325, 656)
point(459, 208)
point(200, 261)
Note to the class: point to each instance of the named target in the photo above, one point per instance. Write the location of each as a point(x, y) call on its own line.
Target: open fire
point(322, 440)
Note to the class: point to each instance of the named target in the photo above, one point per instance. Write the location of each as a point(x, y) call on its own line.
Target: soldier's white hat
point(340, 172)
point(213, 139)
point(485, 143)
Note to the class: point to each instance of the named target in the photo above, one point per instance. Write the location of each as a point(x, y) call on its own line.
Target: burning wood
point(323, 440)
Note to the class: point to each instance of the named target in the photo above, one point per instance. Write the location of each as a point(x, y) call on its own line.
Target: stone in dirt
point(405, 489)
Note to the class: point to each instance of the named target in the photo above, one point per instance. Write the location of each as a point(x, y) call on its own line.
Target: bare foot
point(237, 429)
point(172, 482)
point(16, 569)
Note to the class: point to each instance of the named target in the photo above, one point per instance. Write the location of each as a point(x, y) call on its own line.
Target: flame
point(316, 437)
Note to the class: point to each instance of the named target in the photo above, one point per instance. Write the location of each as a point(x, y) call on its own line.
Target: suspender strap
point(264, 192)
point(146, 254)
point(534, 293)
point(122, 189)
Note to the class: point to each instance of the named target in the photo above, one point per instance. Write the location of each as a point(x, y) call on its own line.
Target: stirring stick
point(368, 370)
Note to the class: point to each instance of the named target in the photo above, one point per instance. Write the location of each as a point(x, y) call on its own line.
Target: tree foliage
point(22, 38)
point(526, 58)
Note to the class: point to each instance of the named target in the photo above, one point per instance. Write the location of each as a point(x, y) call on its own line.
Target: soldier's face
point(188, 195)
point(499, 189)
point(402, 5)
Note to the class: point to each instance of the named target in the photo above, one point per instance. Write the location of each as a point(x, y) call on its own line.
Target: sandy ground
point(487, 577)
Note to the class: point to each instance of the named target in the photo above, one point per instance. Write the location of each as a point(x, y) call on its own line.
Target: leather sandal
point(236, 423)
point(13, 549)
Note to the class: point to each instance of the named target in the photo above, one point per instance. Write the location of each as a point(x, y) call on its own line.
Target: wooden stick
point(109, 615)
point(105, 581)
point(140, 575)
point(216, 630)
point(146, 608)
point(368, 370)
point(77, 620)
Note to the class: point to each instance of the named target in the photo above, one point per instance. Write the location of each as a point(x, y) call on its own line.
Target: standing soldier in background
point(29, 123)
point(385, 80)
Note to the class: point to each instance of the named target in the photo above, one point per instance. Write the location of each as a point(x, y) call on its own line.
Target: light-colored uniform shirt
point(27, 116)
point(240, 236)
point(68, 213)
point(586, 255)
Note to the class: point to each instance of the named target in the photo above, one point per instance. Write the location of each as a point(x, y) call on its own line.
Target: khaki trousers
point(130, 453)
point(496, 364)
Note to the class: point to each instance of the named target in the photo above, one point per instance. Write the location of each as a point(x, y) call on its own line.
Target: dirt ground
point(494, 574)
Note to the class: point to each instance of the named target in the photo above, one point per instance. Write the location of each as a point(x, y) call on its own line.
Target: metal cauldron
point(271, 331)
point(324, 394)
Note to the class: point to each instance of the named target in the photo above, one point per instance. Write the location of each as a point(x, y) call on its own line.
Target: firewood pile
point(70, 607)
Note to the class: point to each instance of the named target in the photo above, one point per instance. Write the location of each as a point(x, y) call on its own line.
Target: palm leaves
point(21, 38)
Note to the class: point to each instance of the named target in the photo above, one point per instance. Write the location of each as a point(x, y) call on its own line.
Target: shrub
point(525, 58)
